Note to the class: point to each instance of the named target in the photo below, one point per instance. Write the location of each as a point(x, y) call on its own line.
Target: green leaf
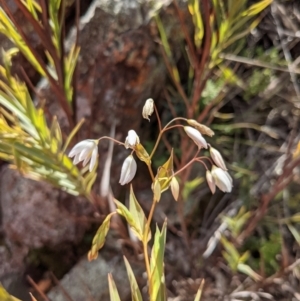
point(157, 280)
point(135, 291)
point(10, 31)
point(5, 296)
point(72, 134)
point(113, 292)
point(295, 233)
point(134, 225)
point(99, 238)
point(231, 250)
point(194, 9)
point(137, 212)
point(165, 173)
point(244, 268)
point(256, 8)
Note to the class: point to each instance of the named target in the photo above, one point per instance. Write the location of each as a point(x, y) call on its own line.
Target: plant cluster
point(164, 179)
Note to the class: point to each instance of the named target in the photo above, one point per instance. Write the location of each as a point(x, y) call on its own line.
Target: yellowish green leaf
point(99, 238)
point(137, 212)
point(142, 154)
point(5, 296)
point(133, 224)
point(113, 292)
point(165, 173)
point(135, 291)
point(246, 269)
point(157, 280)
point(200, 290)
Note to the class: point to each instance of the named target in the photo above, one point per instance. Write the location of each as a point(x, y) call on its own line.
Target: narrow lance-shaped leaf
point(246, 269)
point(72, 134)
point(99, 238)
point(199, 292)
point(135, 291)
point(137, 212)
point(113, 292)
point(157, 280)
point(134, 225)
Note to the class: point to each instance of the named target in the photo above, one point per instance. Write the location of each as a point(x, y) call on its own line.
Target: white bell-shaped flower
point(128, 170)
point(132, 139)
point(86, 150)
point(222, 179)
point(148, 108)
point(217, 158)
point(196, 136)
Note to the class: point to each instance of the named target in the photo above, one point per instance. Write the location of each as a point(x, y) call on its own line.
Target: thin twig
point(255, 62)
point(35, 286)
point(64, 292)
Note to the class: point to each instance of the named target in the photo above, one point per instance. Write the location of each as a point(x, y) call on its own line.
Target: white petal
point(86, 161)
point(217, 158)
point(211, 182)
point(85, 153)
point(132, 139)
point(196, 136)
point(80, 146)
point(128, 170)
point(222, 179)
point(93, 159)
point(76, 159)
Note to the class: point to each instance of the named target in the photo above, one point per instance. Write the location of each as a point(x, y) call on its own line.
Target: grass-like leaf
point(157, 280)
point(113, 292)
point(135, 291)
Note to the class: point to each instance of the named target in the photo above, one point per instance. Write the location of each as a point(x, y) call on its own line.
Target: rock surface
point(88, 280)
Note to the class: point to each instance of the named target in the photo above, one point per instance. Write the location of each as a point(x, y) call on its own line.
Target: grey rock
point(88, 280)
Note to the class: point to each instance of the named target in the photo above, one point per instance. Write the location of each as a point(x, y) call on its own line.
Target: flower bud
point(148, 108)
point(175, 188)
point(222, 179)
point(128, 170)
point(203, 129)
point(132, 139)
point(211, 182)
point(156, 190)
point(217, 158)
point(196, 136)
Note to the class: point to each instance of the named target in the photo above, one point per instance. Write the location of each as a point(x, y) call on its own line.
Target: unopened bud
point(132, 139)
point(175, 188)
point(148, 108)
point(128, 170)
point(217, 158)
point(196, 136)
point(222, 179)
point(156, 190)
point(203, 129)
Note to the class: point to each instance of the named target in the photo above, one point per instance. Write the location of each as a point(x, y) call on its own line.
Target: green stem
point(145, 240)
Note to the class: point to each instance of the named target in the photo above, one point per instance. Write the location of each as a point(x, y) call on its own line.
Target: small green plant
point(165, 178)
